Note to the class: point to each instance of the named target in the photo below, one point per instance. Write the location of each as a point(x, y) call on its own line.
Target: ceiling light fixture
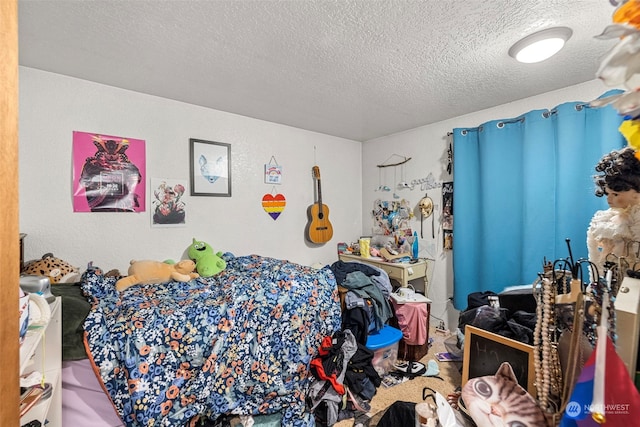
point(539, 46)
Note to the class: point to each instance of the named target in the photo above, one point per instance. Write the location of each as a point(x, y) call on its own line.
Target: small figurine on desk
point(398, 257)
point(365, 243)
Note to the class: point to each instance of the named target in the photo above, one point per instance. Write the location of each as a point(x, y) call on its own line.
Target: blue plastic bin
point(384, 345)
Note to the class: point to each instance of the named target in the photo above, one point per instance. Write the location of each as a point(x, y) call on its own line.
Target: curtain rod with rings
point(546, 115)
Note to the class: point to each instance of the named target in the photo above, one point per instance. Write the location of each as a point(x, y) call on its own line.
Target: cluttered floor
point(441, 377)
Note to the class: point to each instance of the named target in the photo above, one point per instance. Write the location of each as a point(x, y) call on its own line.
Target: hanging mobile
point(395, 177)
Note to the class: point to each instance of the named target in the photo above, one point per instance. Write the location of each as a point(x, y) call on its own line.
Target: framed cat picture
point(210, 167)
point(485, 351)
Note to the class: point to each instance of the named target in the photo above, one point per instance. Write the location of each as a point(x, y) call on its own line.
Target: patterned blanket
point(240, 342)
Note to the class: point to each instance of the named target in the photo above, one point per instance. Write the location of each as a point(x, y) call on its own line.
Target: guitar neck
point(319, 195)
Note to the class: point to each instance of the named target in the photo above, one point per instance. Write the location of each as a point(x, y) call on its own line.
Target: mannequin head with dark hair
point(619, 178)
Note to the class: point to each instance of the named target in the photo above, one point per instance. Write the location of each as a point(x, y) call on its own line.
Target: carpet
point(450, 378)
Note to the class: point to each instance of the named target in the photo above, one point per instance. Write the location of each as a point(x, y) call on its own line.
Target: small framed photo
point(210, 168)
point(272, 174)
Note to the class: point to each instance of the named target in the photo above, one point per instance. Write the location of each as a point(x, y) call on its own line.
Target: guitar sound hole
point(321, 215)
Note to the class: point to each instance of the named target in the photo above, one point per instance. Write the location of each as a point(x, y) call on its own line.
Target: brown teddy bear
point(146, 272)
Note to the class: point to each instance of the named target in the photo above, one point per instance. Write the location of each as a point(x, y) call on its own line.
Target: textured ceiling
point(357, 69)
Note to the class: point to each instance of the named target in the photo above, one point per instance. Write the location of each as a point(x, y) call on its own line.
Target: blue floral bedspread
point(240, 342)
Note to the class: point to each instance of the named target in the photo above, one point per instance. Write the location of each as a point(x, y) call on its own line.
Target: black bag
point(399, 414)
point(478, 299)
point(489, 318)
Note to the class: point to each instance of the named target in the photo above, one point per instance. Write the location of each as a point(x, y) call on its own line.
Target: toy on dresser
point(56, 269)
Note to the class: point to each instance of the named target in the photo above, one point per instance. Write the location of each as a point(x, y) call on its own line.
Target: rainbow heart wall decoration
point(273, 205)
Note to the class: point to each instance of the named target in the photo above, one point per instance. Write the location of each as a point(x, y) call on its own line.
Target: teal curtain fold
point(522, 186)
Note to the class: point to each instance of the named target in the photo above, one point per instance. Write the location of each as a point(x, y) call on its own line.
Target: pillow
point(75, 309)
point(499, 400)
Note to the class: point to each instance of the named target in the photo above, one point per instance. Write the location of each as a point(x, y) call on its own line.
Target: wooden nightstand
point(412, 352)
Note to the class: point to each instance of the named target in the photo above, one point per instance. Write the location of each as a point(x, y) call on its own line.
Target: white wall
point(52, 106)
point(427, 148)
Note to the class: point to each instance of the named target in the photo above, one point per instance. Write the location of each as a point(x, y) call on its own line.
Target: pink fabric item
point(412, 320)
point(84, 402)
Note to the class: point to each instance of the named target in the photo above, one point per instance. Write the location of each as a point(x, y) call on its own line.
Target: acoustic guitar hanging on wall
point(319, 229)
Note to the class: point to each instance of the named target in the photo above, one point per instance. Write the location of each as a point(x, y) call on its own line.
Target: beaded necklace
point(598, 290)
point(537, 343)
point(546, 361)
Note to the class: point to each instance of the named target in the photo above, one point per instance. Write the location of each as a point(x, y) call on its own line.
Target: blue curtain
point(522, 186)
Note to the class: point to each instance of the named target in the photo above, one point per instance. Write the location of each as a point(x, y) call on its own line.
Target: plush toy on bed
point(207, 262)
point(57, 270)
point(147, 272)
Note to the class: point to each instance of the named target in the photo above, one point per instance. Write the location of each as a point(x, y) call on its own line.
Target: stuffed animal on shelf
point(207, 262)
point(57, 270)
point(147, 272)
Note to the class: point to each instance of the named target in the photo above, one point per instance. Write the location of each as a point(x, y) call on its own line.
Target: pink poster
point(108, 173)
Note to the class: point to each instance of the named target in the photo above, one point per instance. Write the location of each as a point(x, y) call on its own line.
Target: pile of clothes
point(484, 311)
point(345, 380)
point(365, 290)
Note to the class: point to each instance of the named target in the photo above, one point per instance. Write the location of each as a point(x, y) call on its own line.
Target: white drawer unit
point(41, 351)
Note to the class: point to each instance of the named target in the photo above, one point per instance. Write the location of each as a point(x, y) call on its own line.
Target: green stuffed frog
point(207, 262)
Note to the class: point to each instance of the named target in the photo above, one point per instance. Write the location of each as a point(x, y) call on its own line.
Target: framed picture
point(169, 207)
point(210, 168)
point(485, 351)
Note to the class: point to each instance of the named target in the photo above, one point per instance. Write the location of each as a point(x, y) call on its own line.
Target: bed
point(187, 353)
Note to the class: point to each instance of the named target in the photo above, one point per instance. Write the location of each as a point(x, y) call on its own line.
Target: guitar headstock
point(316, 172)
